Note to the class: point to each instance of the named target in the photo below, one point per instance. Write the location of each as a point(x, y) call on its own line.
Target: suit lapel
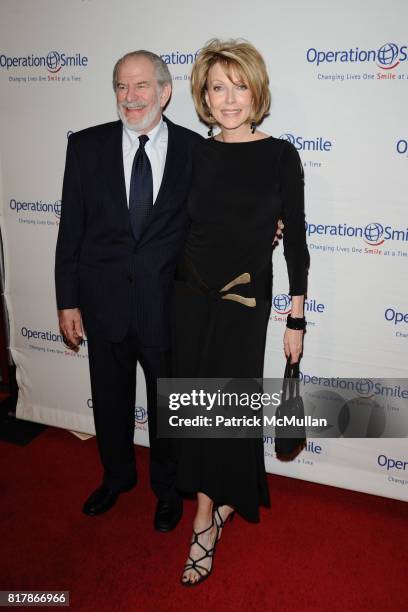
point(173, 165)
point(112, 164)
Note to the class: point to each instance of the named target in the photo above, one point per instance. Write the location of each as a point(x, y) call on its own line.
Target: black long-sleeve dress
point(238, 193)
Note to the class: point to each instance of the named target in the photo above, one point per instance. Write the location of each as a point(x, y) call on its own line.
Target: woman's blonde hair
point(235, 56)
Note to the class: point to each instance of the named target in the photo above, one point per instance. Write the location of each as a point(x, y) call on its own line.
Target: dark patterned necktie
point(141, 189)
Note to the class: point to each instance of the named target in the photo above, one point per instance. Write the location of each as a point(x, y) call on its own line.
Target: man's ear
point(165, 94)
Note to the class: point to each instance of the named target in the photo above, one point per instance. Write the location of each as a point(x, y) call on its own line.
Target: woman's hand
point(293, 344)
point(278, 233)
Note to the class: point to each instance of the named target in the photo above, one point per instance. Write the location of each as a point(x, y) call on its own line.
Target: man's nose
point(131, 94)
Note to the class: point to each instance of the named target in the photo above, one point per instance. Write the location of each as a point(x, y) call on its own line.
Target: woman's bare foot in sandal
point(221, 515)
point(200, 560)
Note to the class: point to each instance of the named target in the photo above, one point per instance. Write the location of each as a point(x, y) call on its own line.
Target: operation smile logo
point(33, 212)
point(49, 341)
point(53, 62)
point(357, 407)
point(282, 303)
point(57, 66)
point(386, 57)
point(373, 234)
point(364, 387)
point(307, 144)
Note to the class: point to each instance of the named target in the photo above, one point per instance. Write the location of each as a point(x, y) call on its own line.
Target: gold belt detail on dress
point(242, 279)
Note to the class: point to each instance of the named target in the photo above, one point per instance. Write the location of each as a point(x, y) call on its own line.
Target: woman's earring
point(210, 131)
point(253, 126)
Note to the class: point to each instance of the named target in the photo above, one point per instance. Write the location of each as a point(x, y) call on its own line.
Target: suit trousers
point(113, 383)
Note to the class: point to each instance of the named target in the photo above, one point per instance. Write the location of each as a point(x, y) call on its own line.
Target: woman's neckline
point(241, 142)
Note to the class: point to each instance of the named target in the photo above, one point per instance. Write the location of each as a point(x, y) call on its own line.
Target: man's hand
point(70, 323)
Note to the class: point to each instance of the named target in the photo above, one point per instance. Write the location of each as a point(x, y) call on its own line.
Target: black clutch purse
point(287, 448)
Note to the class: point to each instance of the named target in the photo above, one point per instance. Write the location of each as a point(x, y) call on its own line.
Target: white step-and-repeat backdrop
point(339, 81)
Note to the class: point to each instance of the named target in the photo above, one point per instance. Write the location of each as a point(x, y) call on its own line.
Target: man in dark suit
point(123, 225)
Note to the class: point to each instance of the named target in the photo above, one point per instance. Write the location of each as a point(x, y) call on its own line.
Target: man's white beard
point(143, 123)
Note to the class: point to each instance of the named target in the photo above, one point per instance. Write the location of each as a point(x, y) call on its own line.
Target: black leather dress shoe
point(101, 500)
point(167, 515)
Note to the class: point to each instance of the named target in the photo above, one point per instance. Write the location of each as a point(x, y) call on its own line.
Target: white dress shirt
point(156, 150)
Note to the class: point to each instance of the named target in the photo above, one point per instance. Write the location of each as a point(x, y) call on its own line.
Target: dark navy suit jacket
point(100, 268)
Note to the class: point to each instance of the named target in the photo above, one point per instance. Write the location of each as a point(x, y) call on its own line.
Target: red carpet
point(317, 548)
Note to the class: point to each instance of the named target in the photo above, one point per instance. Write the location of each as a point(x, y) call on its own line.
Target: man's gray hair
point(162, 73)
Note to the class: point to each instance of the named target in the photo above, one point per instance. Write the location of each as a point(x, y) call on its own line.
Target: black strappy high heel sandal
point(219, 520)
point(195, 563)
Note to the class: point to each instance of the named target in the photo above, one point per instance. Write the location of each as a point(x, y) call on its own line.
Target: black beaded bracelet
point(296, 322)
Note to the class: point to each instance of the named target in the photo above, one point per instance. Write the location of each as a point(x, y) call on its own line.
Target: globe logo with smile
point(282, 303)
point(289, 137)
point(140, 414)
point(373, 234)
point(387, 56)
point(364, 387)
point(53, 61)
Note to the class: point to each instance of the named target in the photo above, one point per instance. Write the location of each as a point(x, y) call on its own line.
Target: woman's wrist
point(297, 323)
point(297, 306)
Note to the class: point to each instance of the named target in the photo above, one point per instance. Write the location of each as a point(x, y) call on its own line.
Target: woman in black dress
point(243, 182)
